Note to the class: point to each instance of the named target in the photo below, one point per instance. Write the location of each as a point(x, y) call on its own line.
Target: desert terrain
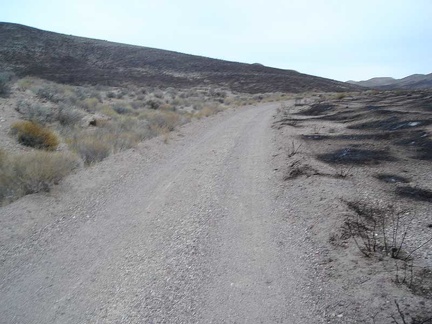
point(192, 190)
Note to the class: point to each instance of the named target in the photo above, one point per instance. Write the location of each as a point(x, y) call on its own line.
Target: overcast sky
point(338, 39)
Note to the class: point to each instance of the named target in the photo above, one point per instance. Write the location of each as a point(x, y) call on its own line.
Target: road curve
point(197, 236)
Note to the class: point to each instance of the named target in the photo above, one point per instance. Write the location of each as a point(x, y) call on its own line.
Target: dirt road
point(193, 231)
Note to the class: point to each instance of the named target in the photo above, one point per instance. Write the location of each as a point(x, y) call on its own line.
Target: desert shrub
point(68, 116)
point(50, 92)
point(158, 94)
point(80, 93)
point(25, 84)
point(137, 104)
point(125, 132)
point(110, 94)
point(208, 111)
point(163, 119)
point(90, 147)
point(35, 112)
point(108, 111)
point(124, 141)
point(70, 96)
point(153, 104)
point(171, 92)
point(258, 97)
point(198, 106)
point(121, 110)
point(34, 135)
point(32, 172)
point(89, 104)
point(96, 94)
point(205, 112)
point(167, 107)
point(121, 94)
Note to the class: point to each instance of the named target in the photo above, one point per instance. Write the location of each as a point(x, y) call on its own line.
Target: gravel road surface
point(193, 231)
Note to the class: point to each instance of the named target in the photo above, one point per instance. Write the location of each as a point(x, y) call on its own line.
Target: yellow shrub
point(34, 135)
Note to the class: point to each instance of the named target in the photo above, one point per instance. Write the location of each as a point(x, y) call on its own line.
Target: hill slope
point(69, 59)
point(415, 81)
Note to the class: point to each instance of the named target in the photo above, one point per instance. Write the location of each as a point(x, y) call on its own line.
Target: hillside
point(412, 82)
point(76, 60)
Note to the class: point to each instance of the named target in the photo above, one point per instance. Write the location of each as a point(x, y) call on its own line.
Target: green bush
point(34, 135)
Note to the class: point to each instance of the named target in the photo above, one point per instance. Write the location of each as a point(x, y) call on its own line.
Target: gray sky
point(341, 40)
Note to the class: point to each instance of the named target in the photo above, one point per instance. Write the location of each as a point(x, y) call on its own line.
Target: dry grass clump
point(90, 147)
point(68, 116)
point(95, 144)
point(25, 84)
point(89, 104)
point(34, 135)
point(208, 111)
point(32, 172)
point(162, 119)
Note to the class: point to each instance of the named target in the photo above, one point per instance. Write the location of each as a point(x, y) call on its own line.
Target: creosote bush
point(34, 135)
point(32, 172)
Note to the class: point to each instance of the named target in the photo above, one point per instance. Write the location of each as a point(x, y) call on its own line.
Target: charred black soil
point(77, 60)
point(415, 193)
point(352, 155)
point(392, 178)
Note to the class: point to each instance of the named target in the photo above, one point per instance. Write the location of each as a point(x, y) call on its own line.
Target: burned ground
point(371, 156)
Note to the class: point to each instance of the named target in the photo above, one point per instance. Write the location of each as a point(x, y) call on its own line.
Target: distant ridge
point(412, 82)
point(76, 60)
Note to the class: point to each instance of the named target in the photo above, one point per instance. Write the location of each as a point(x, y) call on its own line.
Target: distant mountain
point(415, 81)
point(76, 60)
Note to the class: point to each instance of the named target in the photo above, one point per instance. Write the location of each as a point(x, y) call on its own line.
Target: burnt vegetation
point(62, 58)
